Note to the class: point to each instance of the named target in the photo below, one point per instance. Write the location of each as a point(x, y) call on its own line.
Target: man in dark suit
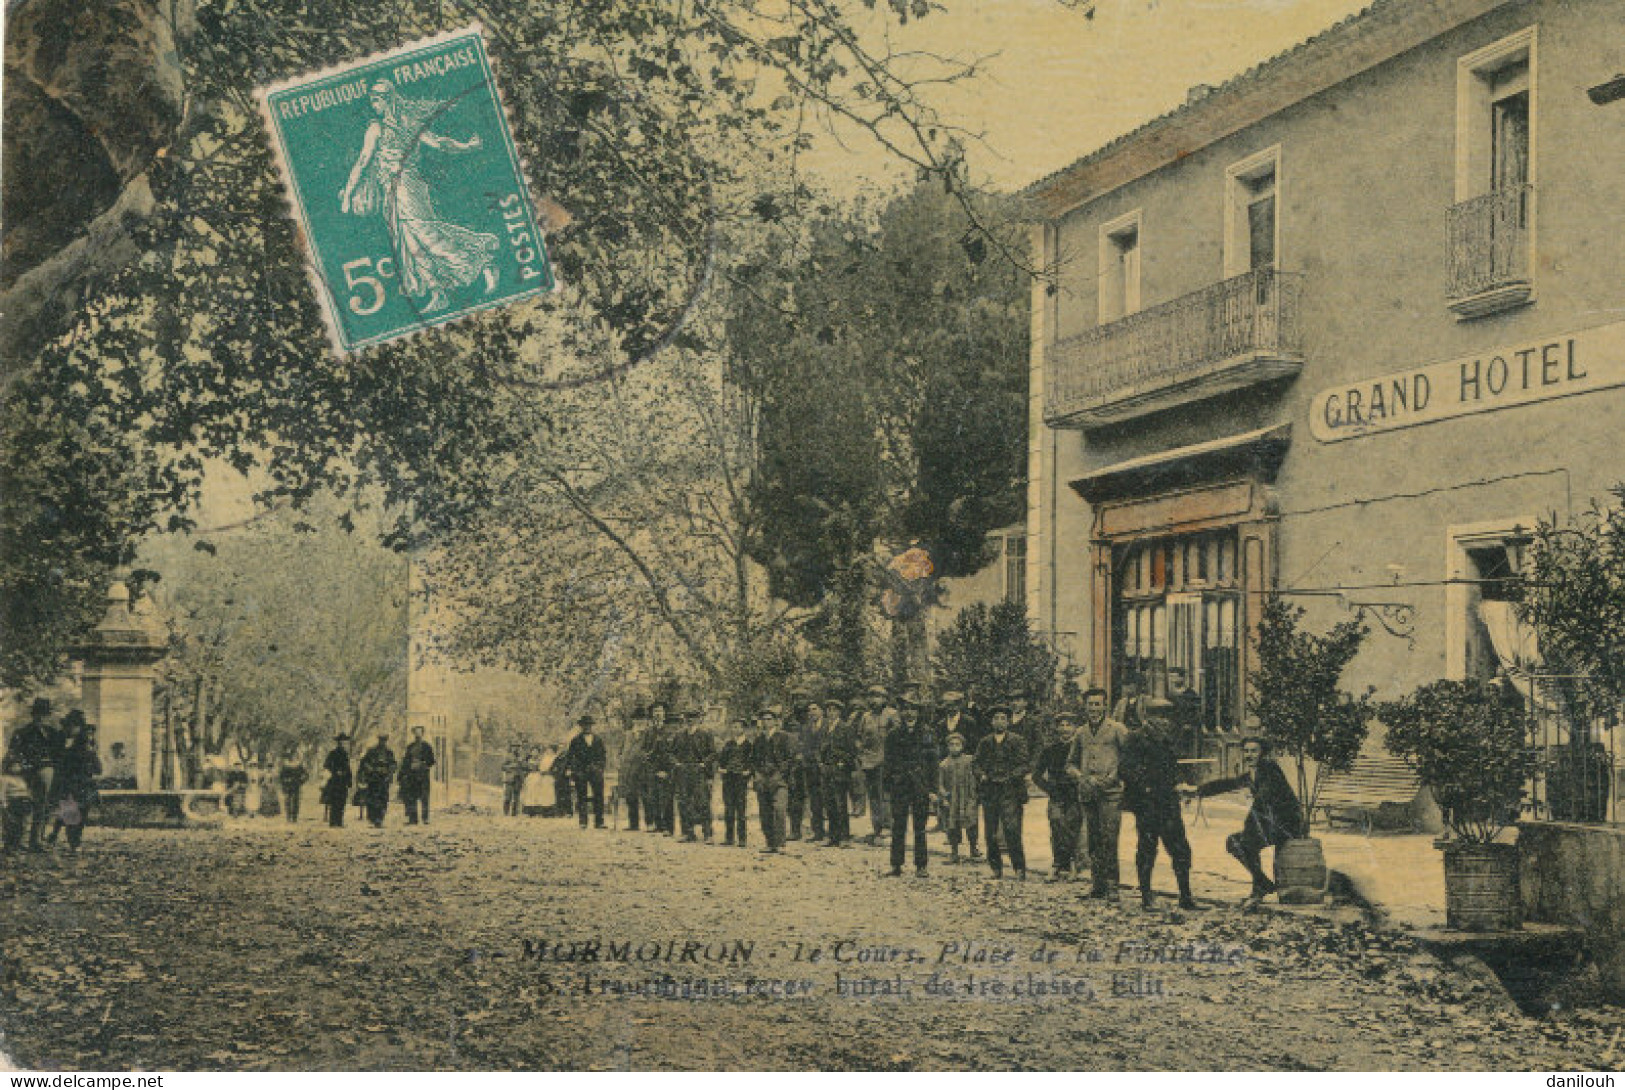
point(772, 757)
point(1149, 768)
point(34, 753)
point(336, 791)
point(955, 719)
point(1274, 818)
point(1001, 772)
point(660, 811)
point(414, 776)
point(587, 758)
point(837, 761)
point(910, 764)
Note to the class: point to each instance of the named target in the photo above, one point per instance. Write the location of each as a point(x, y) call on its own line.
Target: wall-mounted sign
point(1559, 366)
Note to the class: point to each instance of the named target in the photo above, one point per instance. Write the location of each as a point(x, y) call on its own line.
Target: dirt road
point(487, 943)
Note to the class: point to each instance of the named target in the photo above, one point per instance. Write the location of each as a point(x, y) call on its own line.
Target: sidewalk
point(1400, 874)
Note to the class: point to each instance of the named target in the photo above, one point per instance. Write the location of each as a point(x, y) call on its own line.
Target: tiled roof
point(1256, 77)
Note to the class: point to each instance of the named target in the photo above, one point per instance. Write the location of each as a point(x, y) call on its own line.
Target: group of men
point(371, 780)
point(48, 774)
point(828, 763)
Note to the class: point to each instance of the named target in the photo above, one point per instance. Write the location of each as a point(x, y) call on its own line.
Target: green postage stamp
point(408, 188)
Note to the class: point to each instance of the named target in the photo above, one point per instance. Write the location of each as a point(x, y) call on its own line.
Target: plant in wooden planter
point(1301, 708)
point(1468, 742)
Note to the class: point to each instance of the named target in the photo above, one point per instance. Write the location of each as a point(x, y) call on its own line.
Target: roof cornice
point(1381, 32)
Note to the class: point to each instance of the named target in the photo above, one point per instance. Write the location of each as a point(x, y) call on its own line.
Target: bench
point(1375, 791)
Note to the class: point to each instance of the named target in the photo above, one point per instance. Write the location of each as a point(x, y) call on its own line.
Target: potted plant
point(1467, 742)
point(1301, 709)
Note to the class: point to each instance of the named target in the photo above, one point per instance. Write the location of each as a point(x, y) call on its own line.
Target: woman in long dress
point(537, 796)
point(433, 256)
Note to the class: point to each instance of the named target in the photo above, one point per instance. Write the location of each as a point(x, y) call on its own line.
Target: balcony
point(1489, 252)
point(1228, 336)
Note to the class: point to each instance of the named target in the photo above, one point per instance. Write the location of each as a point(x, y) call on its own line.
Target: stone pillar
point(117, 684)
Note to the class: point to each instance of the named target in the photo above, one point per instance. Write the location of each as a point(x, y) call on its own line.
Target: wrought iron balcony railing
point(1232, 334)
point(1488, 258)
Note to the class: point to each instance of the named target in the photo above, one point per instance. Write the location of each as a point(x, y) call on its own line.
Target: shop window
point(1176, 603)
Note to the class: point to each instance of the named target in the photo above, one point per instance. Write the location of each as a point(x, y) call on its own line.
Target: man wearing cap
point(586, 758)
point(336, 788)
point(875, 723)
point(735, 763)
point(811, 732)
point(513, 778)
point(1186, 712)
point(630, 771)
point(1150, 771)
point(1093, 764)
point(696, 755)
point(416, 764)
point(1001, 772)
point(772, 757)
point(34, 754)
point(910, 767)
point(1064, 813)
point(837, 760)
point(797, 780)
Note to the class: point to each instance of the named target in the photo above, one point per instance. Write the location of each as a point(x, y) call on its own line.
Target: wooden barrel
point(1300, 872)
point(1481, 887)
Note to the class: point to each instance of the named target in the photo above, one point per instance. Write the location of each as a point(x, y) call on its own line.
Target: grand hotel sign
point(1561, 366)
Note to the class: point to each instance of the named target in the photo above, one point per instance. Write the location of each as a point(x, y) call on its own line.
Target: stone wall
point(1575, 875)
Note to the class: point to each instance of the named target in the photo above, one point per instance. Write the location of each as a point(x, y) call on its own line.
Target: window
point(1176, 603)
point(1494, 112)
point(1015, 568)
point(1251, 221)
point(1491, 225)
point(1485, 637)
point(1120, 268)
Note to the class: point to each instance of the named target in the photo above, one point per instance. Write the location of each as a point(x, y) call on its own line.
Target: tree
point(890, 360)
point(990, 651)
point(282, 633)
point(170, 321)
point(1467, 741)
point(1296, 695)
point(622, 544)
point(1574, 597)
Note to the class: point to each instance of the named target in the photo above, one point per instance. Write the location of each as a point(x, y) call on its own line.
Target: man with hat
point(657, 772)
point(1001, 770)
point(34, 753)
point(876, 722)
point(630, 772)
point(696, 761)
point(797, 784)
point(376, 770)
point(1065, 814)
point(956, 719)
point(513, 778)
point(772, 757)
point(1093, 763)
point(586, 759)
point(416, 764)
point(910, 768)
point(1150, 771)
point(335, 793)
point(812, 727)
point(837, 760)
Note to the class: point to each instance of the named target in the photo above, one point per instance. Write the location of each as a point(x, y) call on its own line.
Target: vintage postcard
point(823, 535)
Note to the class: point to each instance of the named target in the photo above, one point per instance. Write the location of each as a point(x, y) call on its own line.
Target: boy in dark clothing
point(734, 761)
point(1064, 810)
point(1001, 770)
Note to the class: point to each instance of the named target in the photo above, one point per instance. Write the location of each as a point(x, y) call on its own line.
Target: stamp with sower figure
point(408, 189)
